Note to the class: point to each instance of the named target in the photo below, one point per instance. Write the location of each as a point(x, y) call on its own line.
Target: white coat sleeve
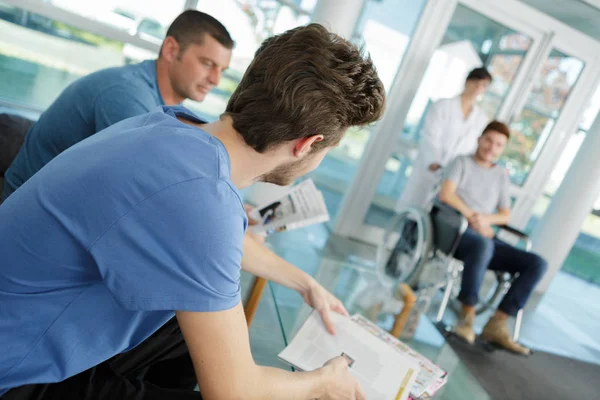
point(432, 135)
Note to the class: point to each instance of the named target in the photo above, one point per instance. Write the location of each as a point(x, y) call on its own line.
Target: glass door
point(472, 34)
point(471, 40)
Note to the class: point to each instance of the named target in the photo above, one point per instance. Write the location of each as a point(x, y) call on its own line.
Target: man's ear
point(304, 146)
point(170, 49)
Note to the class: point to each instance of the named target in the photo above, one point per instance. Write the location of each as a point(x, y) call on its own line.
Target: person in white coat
point(451, 128)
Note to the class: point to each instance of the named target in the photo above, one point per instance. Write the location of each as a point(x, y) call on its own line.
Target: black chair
point(13, 129)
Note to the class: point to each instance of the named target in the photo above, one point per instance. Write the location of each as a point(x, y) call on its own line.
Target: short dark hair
point(191, 26)
point(304, 82)
point(497, 126)
point(479, 74)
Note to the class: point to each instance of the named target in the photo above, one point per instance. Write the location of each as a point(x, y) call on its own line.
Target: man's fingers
point(340, 309)
point(360, 395)
point(327, 321)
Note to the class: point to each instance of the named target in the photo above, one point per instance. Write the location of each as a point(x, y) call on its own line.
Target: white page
point(382, 373)
point(430, 377)
point(302, 205)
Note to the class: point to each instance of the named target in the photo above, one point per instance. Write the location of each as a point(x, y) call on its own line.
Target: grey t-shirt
point(483, 190)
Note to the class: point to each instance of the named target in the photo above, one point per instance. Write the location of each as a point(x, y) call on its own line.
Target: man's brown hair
point(304, 82)
point(499, 127)
point(191, 26)
point(479, 74)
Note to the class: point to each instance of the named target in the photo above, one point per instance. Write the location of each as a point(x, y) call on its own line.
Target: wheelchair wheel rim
point(410, 251)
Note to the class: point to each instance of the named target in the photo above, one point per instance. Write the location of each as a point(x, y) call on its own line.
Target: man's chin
point(199, 97)
point(278, 179)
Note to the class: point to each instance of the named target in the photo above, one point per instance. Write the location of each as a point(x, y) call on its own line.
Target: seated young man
point(144, 221)
point(479, 189)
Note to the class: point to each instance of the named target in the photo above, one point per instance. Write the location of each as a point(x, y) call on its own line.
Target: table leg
point(255, 295)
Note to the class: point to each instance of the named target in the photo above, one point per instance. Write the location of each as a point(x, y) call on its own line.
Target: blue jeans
point(479, 253)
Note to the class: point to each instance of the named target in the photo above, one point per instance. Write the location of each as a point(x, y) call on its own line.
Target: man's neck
point(482, 162)
point(467, 102)
point(170, 97)
point(247, 165)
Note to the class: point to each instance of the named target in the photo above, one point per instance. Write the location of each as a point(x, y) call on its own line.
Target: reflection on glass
point(471, 40)
point(531, 129)
point(40, 56)
point(147, 18)
point(503, 63)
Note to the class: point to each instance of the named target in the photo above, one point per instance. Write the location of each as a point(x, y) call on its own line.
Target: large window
point(40, 56)
point(584, 258)
point(471, 40)
point(147, 18)
point(532, 127)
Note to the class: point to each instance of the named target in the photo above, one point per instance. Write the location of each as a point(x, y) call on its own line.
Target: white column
point(557, 231)
point(339, 16)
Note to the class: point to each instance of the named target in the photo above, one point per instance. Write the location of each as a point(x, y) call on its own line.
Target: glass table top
point(347, 269)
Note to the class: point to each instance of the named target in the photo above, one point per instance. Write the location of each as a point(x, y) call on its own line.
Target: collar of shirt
point(149, 73)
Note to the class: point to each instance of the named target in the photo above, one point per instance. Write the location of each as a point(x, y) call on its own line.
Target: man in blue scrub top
point(144, 221)
point(196, 50)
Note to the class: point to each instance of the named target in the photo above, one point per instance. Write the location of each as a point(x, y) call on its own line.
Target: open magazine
point(430, 377)
point(382, 374)
point(301, 206)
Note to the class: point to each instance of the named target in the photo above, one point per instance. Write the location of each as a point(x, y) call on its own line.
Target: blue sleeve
point(118, 103)
point(180, 249)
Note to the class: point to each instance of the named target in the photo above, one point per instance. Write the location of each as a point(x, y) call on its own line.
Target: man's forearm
point(454, 201)
point(274, 383)
point(499, 218)
point(262, 262)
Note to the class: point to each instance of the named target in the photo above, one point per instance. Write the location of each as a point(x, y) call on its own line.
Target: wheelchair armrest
point(514, 231)
point(448, 227)
point(519, 234)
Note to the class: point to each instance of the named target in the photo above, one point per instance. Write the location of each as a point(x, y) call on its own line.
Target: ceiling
point(578, 14)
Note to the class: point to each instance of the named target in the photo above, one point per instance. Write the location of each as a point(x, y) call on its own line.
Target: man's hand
point(323, 302)
point(434, 167)
point(481, 224)
point(248, 208)
point(341, 384)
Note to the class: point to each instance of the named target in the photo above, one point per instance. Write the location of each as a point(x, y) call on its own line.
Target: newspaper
point(382, 374)
point(303, 205)
point(430, 377)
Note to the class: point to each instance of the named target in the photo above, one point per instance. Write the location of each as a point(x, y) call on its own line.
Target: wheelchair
point(422, 246)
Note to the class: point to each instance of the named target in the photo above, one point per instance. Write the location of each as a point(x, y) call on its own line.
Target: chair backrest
point(448, 227)
point(13, 129)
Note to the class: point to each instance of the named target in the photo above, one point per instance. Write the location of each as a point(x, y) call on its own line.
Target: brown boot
point(464, 327)
point(496, 331)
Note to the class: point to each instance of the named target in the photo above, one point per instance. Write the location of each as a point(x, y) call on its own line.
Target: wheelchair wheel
point(412, 248)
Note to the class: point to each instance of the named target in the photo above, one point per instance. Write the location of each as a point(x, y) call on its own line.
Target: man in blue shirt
point(196, 50)
point(144, 221)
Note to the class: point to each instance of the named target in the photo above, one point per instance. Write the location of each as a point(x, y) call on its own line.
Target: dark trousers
point(159, 368)
point(479, 253)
